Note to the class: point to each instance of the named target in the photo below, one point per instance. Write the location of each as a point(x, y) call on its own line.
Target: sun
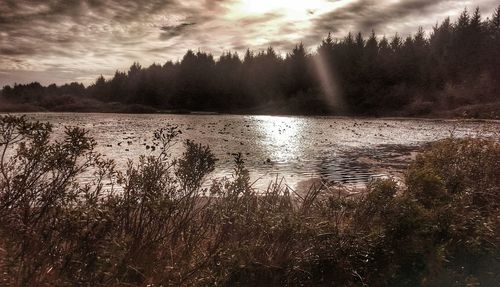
point(277, 19)
point(294, 10)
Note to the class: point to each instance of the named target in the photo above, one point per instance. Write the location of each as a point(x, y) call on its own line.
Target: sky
point(62, 41)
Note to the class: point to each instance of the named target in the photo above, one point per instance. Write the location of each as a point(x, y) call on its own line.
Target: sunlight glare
point(281, 136)
point(297, 10)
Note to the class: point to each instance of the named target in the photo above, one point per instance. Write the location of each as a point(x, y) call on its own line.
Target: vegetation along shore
point(157, 224)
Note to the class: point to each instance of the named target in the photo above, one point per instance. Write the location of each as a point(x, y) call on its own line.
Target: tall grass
point(164, 227)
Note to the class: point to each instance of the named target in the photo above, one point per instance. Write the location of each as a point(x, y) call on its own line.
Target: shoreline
point(201, 113)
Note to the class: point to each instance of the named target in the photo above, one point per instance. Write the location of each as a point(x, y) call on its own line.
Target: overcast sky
point(69, 40)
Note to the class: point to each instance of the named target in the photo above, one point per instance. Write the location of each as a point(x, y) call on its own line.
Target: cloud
point(56, 25)
point(59, 40)
point(171, 31)
point(87, 34)
point(389, 17)
point(260, 19)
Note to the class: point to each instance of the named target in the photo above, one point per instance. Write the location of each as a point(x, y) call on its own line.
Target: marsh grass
point(164, 227)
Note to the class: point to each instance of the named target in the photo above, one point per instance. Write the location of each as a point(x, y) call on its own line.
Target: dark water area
point(290, 148)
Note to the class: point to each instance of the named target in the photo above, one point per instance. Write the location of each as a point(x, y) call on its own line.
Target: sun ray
point(332, 92)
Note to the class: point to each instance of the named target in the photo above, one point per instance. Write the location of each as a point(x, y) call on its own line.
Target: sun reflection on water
point(280, 137)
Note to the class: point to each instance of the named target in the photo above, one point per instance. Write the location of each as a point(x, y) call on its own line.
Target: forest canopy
point(454, 65)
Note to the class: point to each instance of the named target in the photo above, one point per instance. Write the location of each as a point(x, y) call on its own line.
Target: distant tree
point(228, 83)
point(118, 87)
point(326, 48)
point(441, 41)
point(495, 19)
point(134, 70)
point(99, 88)
point(299, 76)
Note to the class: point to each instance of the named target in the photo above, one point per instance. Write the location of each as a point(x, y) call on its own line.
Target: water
point(295, 149)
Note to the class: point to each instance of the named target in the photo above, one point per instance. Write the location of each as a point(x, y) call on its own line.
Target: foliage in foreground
point(163, 227)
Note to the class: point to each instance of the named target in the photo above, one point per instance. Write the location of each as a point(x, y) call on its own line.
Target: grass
point(165, 228)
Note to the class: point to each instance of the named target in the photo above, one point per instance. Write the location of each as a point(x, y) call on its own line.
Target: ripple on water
point(347, 150)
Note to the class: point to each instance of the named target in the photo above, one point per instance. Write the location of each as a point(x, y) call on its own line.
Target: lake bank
point(487, 111)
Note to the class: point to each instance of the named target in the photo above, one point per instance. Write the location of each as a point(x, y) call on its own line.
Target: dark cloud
point(169, 32)
point(12, 51)
point(364, 15)
point(383, 16)
point(120, 10)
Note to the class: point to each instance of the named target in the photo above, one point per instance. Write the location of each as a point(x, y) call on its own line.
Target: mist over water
point(295, 149)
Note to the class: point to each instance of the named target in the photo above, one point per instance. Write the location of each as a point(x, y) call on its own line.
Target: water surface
point(295, 149)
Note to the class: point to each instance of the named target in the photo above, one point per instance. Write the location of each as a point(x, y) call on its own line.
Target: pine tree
point(326, 46)
point(495, 19)
point(396, 43)
point(475, 21)
point(248, 58)
point(371, 46)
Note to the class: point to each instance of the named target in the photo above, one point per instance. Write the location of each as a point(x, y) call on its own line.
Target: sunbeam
point(331, 89)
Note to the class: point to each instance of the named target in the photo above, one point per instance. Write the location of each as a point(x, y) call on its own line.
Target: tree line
point(456, 64)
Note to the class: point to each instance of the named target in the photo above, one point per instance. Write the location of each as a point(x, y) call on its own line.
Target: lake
point(292, 148)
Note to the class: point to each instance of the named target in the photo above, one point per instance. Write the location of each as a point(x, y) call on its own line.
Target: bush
point(159, 223)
